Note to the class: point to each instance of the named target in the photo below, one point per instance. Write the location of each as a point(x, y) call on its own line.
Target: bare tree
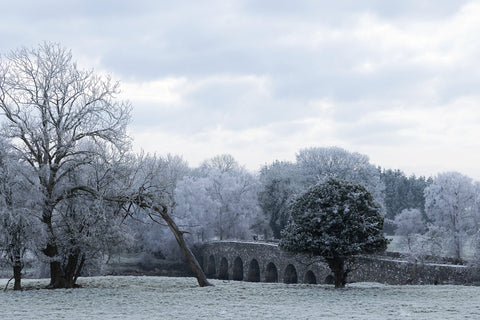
point(409, 225)
point(141, 188)
point(220, 203)
point(67, 125)
point(316, 165)
point(17, 227)
point(53, 111)
point(222, 162)
point(449, 202)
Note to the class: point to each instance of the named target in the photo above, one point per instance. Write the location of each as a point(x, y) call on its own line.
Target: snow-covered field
point(181, 298)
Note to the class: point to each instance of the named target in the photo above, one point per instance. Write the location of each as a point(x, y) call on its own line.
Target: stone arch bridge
point(265, 262)
point(259, 262)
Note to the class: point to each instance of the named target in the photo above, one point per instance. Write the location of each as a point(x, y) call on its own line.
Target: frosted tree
point(434, 242)
point(278, 187)
point(316, 165)
point(449, 203)
point(219, 203)
point(88, 226)
point(197, 208)
point(223, 163)
point(17, 223)
point(52, 111)
point(335, 220)
point(475, 229)
point(151, 236)
point(61, 120)
point(140, 189)
point(409, 224)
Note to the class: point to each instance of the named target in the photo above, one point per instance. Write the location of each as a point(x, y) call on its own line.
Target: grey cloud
point(330, 11)
point(375, 131)
point(151, 40)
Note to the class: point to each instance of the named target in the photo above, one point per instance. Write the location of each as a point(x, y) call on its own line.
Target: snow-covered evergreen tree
point(335, 219)
point(281, 182)
point(402, 192)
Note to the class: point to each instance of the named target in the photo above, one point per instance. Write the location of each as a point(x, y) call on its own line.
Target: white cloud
point(435, 43)
point(164, 92)
point(430, 139)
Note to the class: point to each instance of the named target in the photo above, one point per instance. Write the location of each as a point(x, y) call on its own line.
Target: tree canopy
point(336, 220)
point(449, 204)
point(68, 127)
point(61, 121)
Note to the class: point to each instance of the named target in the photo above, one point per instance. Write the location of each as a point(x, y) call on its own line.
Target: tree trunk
point(67, 276)
point(189, 256)
point(57, 278)
point(74, 267)
point(17, 275)
point(337, 265)
point(79, 270)
point(458, 248)
point(16, 260)
point(275, 229)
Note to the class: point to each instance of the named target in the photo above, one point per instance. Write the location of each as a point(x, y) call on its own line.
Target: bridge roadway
point(258, 261)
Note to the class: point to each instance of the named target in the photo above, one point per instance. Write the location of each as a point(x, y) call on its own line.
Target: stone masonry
point(265, 262)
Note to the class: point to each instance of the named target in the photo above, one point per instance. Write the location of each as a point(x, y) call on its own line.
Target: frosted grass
point(181, 298)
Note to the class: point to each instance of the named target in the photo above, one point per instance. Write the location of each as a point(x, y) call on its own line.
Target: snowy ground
point(181, 298)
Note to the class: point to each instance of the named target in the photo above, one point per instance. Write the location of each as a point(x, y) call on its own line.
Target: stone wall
point(265, 262)
point(396, 271)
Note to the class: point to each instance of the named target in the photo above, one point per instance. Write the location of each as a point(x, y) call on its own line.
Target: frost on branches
point(279, 184)
point(17, 226)
point(282, 182)
point(316, 165)
point(220, 202)
point(450, 203)
point(336, 220)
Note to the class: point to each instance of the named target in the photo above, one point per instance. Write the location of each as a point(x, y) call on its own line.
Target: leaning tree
point(335, 220)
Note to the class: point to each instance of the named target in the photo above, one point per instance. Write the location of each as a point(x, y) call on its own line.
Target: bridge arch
point(310, 277)
point(287, 265)
point(271, 274)
point(223, 269)
point(237, 273)
point(253, 271)
point(329, 279)
point(290, 275)
point(211, 270)
point(258, 261)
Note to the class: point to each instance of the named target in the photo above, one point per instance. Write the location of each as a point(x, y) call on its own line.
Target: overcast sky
point(396, 80)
